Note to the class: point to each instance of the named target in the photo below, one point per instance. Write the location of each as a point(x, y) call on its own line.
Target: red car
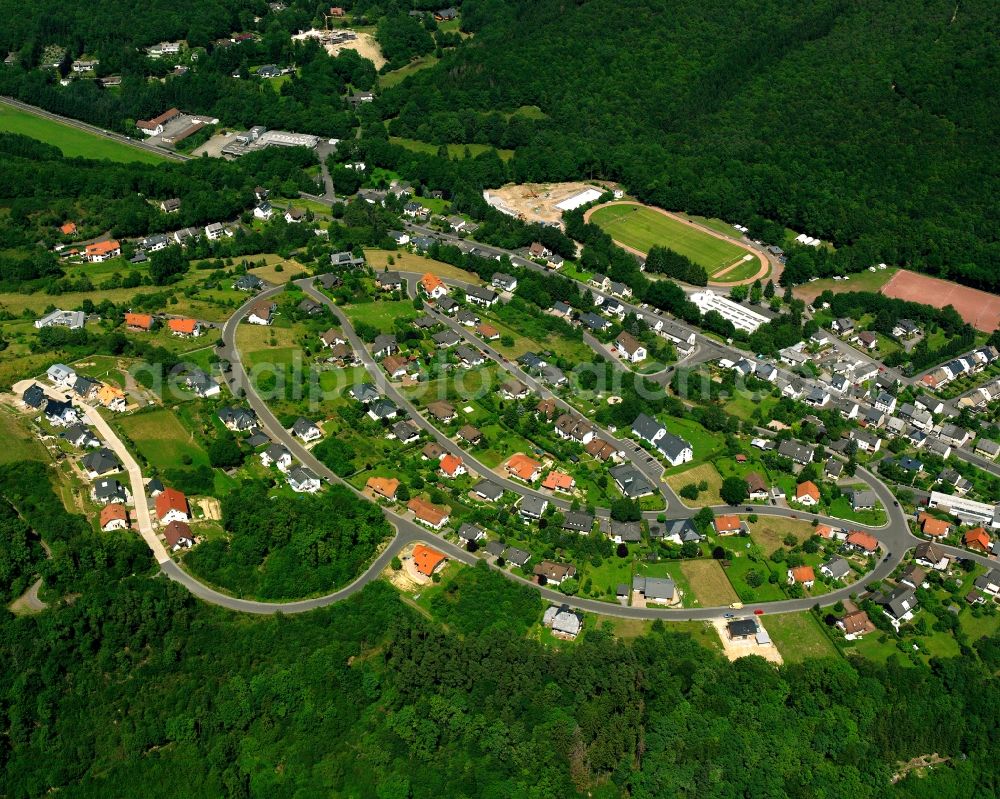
point(758, 612)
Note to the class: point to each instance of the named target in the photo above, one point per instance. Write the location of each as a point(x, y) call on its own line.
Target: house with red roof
point(139, 321)
point(558, 481)
point(977, 538)
point(102, 251)
point(522, 467)
point(428, 561)
point(807, 493)
point(172, 505)
point(114, 516)
point(186, 328)
point(803, 575)
point(433, 516)
point(728, 525)
point(451, 466)
point(433, 286)
point(178, 535)
point(862, 542)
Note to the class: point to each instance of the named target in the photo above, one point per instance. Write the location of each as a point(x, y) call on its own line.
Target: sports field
point(72, 141)
point(642, 228)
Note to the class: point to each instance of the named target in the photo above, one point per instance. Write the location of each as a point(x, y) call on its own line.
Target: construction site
point(544, 203)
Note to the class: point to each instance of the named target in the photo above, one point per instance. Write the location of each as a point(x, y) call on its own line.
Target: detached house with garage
point(630, 348)
point(172, 505)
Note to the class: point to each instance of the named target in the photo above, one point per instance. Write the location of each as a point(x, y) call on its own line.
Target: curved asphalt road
point(895, 536)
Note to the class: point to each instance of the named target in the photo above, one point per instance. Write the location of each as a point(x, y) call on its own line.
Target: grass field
point(399, 75)
point(19, 444)
point(798, 637)
point(72, 141)
point(768, 532)
point(290, 270)
point(382, 314)
point(411, 262)
point(706, 472)
point(642, 228)
point(454, 150)
point(162, 439)
point(708, 583)
point(862, 281)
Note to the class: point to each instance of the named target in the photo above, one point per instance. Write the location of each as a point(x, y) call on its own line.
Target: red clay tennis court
point(979, 308)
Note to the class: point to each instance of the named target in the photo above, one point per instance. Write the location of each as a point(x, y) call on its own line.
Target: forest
point(290, 547)
point(866, 125)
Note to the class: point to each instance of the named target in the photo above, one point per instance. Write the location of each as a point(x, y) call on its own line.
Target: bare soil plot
point(536, 202)
point(979, 308)
point(364, 45)
point(740, 649)
point(709, 584)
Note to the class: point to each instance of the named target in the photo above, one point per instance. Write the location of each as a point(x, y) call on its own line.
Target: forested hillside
point(868, 124)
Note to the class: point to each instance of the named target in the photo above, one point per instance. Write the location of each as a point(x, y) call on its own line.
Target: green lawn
point(862, 281)
point(642, 228)
point(739, 567)
point(399, 75)
point(454, 150)
point(162, 439)
point(19, 444)
point(798, 636)
point(381, 314)
point(72, 141)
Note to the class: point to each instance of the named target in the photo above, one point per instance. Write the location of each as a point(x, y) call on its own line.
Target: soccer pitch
point(642, 228)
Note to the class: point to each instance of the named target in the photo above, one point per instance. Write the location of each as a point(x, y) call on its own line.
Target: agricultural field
point(454, 150)
point(642, 228)
point(799, 637)
point(709, 584)
point(74, 142)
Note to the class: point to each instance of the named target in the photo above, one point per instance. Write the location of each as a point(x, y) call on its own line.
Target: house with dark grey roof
point(306, 430)
point(471, 532)
point(836, 569)
point(487, 490)
point(674, 448)
point(516, 556)
point(799, 453)
point(34, 396)
point(531, 507)
point(365, 393)
point(446, 338)
point(630, 481)
point(680, 531)
point(384, 345)
point(495, 548)
point(625, 532)
point(900, 604)
point(109, 490)
point(383, 409)
point(405, 432)
point(647, 428)
point(655, 589)
point(578, 521)
point(80, 436)
point(238, 419)
point(100, 462)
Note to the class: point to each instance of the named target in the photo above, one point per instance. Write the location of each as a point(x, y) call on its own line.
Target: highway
point(106, 134)
point(895, 537)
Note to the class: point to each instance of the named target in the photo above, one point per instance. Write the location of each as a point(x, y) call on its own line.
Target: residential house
point(503, 281)
point(109, 490)
point(442, 411)
point(977, 538)
point(630, 347)
point(185, 328)
point(803, 575)
point(178, 535)
point(741, 629)
point(674, 448)
point(574, 428)
point(470, 434)
point(867, 339)
point(481, 296)
point(630, 481)
point(61, 414)
point(558, 481)
point(862, 542)
point(382, 409)
point(170, 206)
point(277, 455)
point(451, 466)
point(729, 525)
point(139, 322)
point(433, 286)
point(61, 375)
point(80, 436)
point(487, 490)
point(446, 338)
point(553, 573)
point(304, 480)
point(862, 499)
point(757, 488)
point(262, 313)
point(913, 576)
point(100, 462)
point(855, 624)
point(264, 211)
point(248, 282)
point(172, 505)
point(900, 604)
point(74, 320)
point(656, 590)
point(578, 522)
point(798, 453)
point(807, 493)
point(364, 393)
point(238, 420)
point(514, 390)
point(517, 557)
point(384, 345)
point(487, 332)
point(933, 527)
point(531, 508)
point(469, 357)
point(34, 396)
point(833, 469)
point(114, 516)
point(434, 516)
point(100, 251)
point(405, 432)
point(836, 569)
point(388, 281)
point(523, 468)
point(563, 622)
point(931, 557)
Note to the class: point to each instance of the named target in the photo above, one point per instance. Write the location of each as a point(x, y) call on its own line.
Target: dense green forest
point(289, 547)
point(871, 125)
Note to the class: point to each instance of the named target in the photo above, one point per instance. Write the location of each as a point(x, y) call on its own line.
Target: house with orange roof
point(807, 493)
point(433, 516)
point(933, 527)
point(188, 328)
point(558, 481)
point(433, 286)
point(487, 331)
point(114, 516)
point(112, 398)
point(728, 525)
point(824, 531)
point(384, 487)
point(522, 467)
point(428, 561)
point(68, 229)
point(451, 466)
point(803, 575)
point(171, 506)
point(862, 542)
point(139, 322)
point(977, 538)
point(102, 251)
